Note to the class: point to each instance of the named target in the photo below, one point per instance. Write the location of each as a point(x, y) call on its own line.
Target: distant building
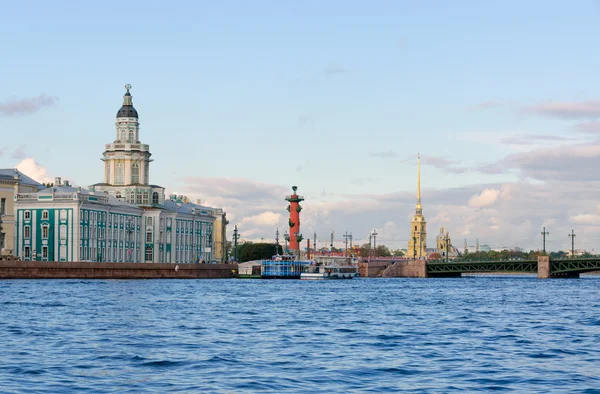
point(444, 245)
point(417, 242)
point(123, 219)
point(578, 252)
point(484, 248)
point(12, 182)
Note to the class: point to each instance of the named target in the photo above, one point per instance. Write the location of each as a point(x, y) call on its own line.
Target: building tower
point(127, 161)
point(294, 209)
point(417, 243)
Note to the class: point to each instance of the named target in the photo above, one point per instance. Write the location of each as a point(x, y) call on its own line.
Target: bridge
point(544, 267)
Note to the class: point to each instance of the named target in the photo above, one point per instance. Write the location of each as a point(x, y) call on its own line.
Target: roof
point(185, 208)
point(24, 179)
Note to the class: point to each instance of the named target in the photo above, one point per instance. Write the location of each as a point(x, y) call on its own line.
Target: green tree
point(398, 253)
point(257, 251)
point(364, 250)
point(382, 251)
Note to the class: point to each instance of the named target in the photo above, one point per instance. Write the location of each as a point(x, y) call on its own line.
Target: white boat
point(330, 267)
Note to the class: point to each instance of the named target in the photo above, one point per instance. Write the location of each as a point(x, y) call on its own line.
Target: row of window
point(27, 215)
point(27, 252)
point(45, 231)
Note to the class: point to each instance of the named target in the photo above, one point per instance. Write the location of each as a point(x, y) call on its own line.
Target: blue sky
point(334, 96)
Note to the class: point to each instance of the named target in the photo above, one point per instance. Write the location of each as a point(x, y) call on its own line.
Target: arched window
point(131, 136)
point(149, 254)
point(155, 198)
point(132, 197)
point(135, 173)
point(145, 198)
point(138, 197)
point(120, 174)
point(118, 195)
point(44, 215)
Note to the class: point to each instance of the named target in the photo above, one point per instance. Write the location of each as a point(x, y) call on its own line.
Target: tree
point(382, 251)
point(435, 256)
point(257, 251)
point(398, 253)
point(364, 250)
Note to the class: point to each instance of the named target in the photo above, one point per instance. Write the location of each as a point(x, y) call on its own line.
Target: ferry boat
point(331, 267)
point(283, 267)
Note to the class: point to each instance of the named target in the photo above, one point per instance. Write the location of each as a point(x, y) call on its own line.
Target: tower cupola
point(127, 110)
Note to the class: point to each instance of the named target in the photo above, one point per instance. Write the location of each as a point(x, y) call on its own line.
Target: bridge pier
point(543, 267)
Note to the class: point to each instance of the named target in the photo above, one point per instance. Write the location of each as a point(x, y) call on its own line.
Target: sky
point(241, 100)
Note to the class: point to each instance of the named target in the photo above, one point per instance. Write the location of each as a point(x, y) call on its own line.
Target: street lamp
point(414, 247)
point(286, 237)
point(129, 230)
point(375, 234)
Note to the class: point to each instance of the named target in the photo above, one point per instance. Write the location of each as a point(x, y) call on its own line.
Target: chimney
point(198, 201)
point(57, 181)
point(66, 183)
point(79, 188)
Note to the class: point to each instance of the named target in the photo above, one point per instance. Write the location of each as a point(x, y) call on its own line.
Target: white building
point(123, 219)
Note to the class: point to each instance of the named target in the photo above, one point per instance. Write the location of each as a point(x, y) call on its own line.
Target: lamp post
point(209, 243)
point(194, 254)
point(286, 238)
point(544, 233)
point(446, 239)
point(572, 236)
point(414, 246)
point(129, 230)
point(236, 236)
point(375, 234)
point(346, 239)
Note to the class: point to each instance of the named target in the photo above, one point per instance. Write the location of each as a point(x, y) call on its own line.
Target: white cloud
point(567, 110)
point(268, 218)
point(584, 218)
point(14, 106)
point(485, 199)
point(34, 170)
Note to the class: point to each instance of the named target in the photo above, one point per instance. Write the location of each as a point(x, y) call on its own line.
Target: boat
point(283, 267)
point(331, 267)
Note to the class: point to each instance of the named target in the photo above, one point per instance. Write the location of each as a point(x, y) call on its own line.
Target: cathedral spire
point(418, 180)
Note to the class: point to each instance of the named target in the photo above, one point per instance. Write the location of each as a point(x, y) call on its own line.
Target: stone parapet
point(14, 269)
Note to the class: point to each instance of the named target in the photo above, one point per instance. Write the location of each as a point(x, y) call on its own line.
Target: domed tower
point(127, 160)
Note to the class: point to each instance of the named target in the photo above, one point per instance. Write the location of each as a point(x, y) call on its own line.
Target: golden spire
point(418, 180)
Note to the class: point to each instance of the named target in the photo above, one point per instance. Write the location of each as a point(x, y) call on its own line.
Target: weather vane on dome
point(128, 86)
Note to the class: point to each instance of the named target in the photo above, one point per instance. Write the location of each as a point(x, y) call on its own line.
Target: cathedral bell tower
point(417, 243)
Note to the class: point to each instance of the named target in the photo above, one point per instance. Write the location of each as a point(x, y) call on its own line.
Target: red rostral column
point(294, 209)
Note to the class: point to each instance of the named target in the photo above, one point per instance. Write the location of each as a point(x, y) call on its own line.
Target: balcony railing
point(127, 146)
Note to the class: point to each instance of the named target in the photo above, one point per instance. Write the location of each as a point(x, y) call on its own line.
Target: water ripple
point(364, 336)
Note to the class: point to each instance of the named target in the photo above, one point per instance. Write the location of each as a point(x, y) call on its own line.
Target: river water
point(365, 335)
